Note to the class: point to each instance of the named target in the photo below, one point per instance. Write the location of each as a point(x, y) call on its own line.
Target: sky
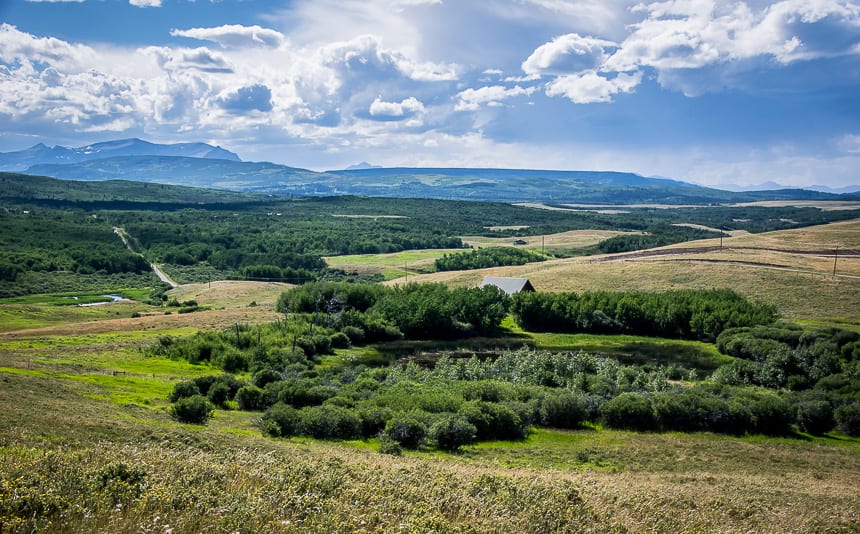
point(717, 93)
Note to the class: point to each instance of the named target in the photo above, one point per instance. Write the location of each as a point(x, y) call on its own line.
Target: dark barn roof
point(509, 285)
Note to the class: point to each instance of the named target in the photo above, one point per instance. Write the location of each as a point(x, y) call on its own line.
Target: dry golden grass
point(825, 237)
point(827, 205)
point(806, 290)
point(230, 293)
point(203, 320)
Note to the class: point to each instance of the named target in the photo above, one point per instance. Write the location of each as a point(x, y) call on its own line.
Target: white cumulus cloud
point(383, 110)
point(235, 35)
point(568, 53)
point(472, 99)
point(589, 87)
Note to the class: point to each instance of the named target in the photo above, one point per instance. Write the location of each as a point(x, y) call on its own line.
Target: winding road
point(158, 272)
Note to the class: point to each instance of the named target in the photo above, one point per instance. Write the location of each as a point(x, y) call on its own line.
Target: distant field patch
point(369, 216)
point(230, 293)
point(503, 228)
point(393, 265)
point(605, 210)
point(563, 240)
point(710, 229)
point(826, 205)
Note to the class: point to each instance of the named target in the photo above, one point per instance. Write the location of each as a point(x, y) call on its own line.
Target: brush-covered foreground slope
point(88, 446)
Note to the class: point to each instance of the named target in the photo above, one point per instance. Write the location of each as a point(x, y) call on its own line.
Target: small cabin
point(511, 286)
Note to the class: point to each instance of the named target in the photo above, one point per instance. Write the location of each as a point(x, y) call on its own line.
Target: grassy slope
point(80, 400)
point(57, 448)
point(809, 292)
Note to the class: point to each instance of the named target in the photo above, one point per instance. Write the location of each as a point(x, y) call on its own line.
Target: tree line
point(684, 314)
point(483, 258)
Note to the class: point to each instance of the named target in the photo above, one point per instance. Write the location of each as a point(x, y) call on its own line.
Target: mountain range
point(203, 165)
point(40, 154)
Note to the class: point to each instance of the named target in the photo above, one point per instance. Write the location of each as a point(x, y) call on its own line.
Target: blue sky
point(717, 93)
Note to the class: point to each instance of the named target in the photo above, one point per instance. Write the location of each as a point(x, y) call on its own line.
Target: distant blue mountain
point(495, 175)
point(41, 154)
point(203, 165)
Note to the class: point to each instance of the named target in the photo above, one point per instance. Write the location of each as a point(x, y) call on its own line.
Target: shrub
point(304, 392)
point(184, 389)
point(562, 410)
point(387, 445)
point(848, 418)
point(281, 420)
point(630, 411)
point(339, 340)
point(771, 415)
point(205, 382)
point(195, 409)
point(265, 376)
point(451, 432)
point(330, 422)
point(373, 419)
point(251, 398)
point(406, 430)
point(231, 361)
point(815, 417)
point(355, 334)
point(219, 394)
point(493, 421)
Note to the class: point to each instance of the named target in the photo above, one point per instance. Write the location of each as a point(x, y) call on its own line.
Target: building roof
point(508, 285)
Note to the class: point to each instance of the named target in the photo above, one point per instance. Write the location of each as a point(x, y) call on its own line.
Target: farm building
point(510, 286)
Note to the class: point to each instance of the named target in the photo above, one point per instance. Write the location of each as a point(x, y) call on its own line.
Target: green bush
point(195, 409)
point(231, 361)
point(388, 445)
point(251, 398)
point(219, 394)
point(184, 389)
point(264, 377)
point(815, 417)
point(330, 422)
point(451, 432)
point(406, 430)
point(770, 415)
point(339, 340)
point(848, 418)
point(630, 411)
point(281, 420)
point(301, 392)
point(355, 334)
point(493, 421)
point(563, 410)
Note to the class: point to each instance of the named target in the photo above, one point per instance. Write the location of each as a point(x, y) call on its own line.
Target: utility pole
point(835, 257)
point(541, 244)
point(406, 271)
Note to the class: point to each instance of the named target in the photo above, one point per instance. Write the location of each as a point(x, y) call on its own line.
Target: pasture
point(88, 443)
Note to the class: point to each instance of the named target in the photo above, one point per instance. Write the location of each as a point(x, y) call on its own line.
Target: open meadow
point(90, 440)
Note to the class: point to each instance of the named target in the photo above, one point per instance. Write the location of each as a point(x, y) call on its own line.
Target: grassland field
point(87, 443)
